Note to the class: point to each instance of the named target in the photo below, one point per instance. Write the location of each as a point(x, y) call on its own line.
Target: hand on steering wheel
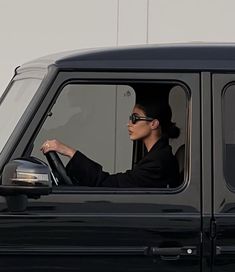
point(57, 168)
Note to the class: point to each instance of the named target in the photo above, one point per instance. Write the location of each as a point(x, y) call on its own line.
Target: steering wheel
point(57, 168)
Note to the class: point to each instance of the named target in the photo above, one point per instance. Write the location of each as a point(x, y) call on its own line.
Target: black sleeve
point(85, 172)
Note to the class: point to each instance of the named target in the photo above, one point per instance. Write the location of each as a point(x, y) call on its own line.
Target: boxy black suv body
point(84, 98)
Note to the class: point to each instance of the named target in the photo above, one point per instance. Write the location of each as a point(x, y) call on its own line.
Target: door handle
point(172, 253)
point(227, 250)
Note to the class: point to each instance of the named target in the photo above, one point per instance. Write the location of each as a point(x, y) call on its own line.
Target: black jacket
point(159, 168)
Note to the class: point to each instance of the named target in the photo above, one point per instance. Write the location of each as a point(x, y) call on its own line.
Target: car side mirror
point(24, 178)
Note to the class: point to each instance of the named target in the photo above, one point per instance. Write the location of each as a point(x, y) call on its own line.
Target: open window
point(93, 119)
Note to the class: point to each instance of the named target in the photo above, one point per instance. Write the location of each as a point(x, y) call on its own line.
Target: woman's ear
point(155, 124)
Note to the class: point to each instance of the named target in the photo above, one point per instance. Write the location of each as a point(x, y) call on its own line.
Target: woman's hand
point(55, 145)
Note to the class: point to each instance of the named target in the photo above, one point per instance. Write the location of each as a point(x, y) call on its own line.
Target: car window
point(228, 113)
point(93, 119)
point(18, 97)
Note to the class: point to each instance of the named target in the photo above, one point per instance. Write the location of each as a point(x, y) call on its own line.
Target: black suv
point(84, 98)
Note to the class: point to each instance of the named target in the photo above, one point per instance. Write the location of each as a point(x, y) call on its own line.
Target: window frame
point(115, 78)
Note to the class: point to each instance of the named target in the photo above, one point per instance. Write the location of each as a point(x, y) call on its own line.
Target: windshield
point(14, 104)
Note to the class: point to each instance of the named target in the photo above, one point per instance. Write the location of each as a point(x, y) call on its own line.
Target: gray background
point(32, 28)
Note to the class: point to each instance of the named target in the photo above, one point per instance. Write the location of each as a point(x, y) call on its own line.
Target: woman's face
point(141, 129)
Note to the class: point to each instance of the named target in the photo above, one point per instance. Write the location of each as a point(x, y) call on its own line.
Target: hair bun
point(173, 131)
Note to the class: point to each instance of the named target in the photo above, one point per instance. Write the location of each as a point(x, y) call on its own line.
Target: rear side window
point(228, 111)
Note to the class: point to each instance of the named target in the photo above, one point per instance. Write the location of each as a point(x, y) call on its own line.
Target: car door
point(103, 229)
point(223, 172)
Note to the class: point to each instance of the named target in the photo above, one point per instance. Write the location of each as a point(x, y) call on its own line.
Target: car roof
point(187, 57)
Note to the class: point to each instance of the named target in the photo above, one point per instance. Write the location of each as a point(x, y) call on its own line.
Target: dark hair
point(161, 111)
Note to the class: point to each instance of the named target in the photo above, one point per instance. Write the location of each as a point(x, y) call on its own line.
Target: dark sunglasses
point(135, 118)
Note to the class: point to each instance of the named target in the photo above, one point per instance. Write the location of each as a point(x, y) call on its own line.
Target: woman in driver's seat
point(150, 123)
